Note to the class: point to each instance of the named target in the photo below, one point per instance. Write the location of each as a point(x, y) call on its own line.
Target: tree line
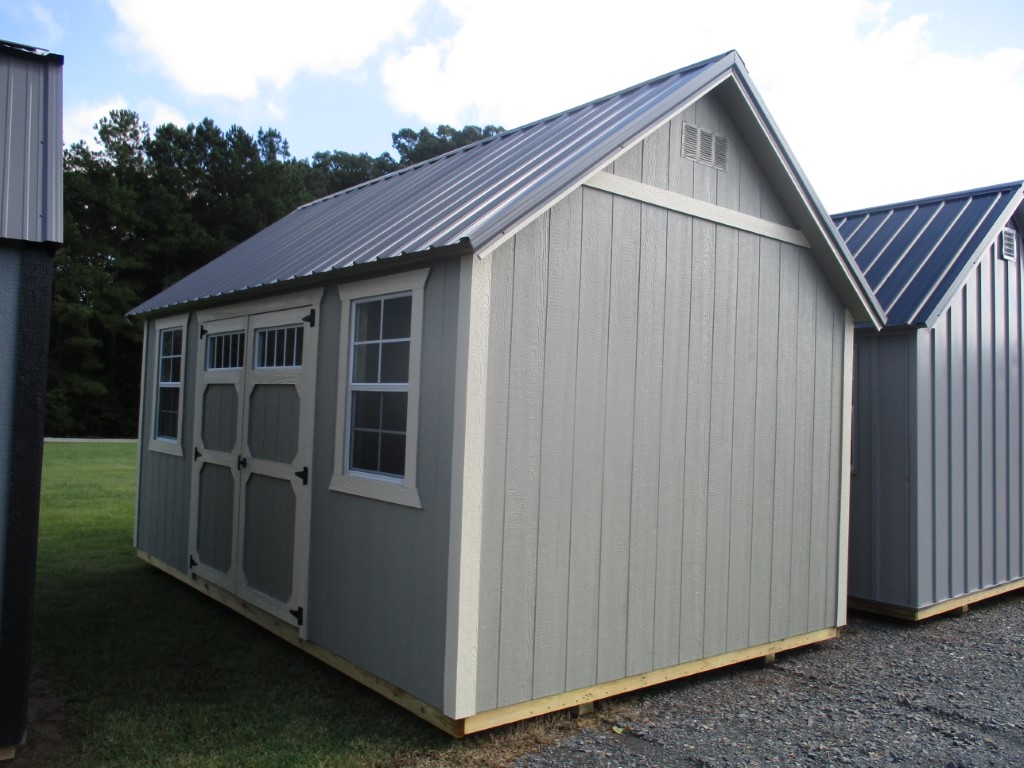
point(144, 208)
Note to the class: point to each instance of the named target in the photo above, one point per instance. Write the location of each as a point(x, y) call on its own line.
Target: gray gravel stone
point(948, 691)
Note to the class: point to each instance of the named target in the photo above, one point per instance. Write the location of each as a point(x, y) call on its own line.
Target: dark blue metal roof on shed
point(916, 253)
point(468, 199)
point(475, 193)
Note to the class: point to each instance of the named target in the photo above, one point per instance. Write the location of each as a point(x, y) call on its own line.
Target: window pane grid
point(279, 347)
point(379, 384)
point(168, 400)
point(225, 351)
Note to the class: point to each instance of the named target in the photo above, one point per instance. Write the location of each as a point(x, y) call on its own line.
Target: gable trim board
point(937, 503)
point(618, 345)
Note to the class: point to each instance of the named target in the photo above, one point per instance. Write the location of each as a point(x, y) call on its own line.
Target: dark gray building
point(31, 229)
point(938, 470)
point(551, 417)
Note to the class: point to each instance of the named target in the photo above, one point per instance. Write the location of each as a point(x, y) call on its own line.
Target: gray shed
point(552, 417)
point(938, 473)
point(31, 229)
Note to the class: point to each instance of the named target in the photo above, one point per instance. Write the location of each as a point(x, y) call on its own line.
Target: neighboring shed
point(31, 229)
point(555, 416)
point(937, 495)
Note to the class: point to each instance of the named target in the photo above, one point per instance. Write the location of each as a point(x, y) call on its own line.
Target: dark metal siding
point(31, 150)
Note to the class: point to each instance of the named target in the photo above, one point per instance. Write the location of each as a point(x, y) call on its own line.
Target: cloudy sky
point(880, 101)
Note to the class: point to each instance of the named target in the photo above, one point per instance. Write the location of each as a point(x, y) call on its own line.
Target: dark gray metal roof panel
point(476, 192)
point(915, 253)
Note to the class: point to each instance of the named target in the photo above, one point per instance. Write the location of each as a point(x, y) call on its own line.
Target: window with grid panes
point(379, 385)
point(168, 399)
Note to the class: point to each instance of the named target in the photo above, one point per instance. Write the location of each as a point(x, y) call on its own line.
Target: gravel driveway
point(945, 692)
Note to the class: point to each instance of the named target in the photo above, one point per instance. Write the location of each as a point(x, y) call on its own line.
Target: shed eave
point(336, 275)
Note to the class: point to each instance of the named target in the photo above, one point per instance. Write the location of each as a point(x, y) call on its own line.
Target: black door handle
point(242, 462)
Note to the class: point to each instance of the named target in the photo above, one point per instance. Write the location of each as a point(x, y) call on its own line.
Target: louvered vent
point(705, 147)
point(1009, 244)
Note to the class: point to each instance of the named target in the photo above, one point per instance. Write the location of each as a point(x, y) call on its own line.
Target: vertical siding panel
point(656, 149)
point(782, 523)
point(1000, 423)
point(765, 425)
point(498, 363)
point(986, 459)
point(643, 535)
point(522, 468)
point(975, 408)
point(821, 511)
point(939, 456)
point(1013, 420)
point(743, 443)
point(922, 506)
point(672, 471)
point(705, 177)
point(680, 170)
point(800, 573)
point(836, 469)
point(958, 449)
point(630, 164)
point(698, 415)
point(618, 450)
point(719, 504)
point(743, 164)
point(589, 434)
point(728, 181)
point(862, 469)
point(557, 446)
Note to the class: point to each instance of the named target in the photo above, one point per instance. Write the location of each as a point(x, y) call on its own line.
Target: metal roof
point(470, 198)
point(915, 254)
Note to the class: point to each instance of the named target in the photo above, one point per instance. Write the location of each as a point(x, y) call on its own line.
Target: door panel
point(219, 386)
point(253, 428)
point(215, 535)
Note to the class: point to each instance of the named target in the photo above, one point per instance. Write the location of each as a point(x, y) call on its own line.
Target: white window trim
point(166, 444)
point(404, 491)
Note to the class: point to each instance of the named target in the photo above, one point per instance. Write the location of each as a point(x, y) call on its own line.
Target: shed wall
point(165, 481)
point(882, 528)
point(378, 572)
point(662, 449)
point(969, 461)
point(31, 148)
point(658, 160)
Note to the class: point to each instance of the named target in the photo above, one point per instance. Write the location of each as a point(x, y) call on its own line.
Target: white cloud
point(872, 109)
point(53, 32)
point(222, 48)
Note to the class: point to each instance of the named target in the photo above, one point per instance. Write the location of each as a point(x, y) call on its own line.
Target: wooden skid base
point(946, 606)
point(581, 697)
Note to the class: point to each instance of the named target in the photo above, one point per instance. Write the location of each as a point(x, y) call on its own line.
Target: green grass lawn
point(152, 673)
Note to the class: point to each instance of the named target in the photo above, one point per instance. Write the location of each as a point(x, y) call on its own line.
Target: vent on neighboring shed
point(1009, 251)
point(705, 147)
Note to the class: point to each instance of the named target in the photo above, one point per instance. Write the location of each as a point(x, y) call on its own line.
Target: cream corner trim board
point(645, 193)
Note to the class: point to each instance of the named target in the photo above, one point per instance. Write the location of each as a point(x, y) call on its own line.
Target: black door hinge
point(297, 613)
point(310, 318)
point(192, 562)
point(197, 455)
point(202, 331)
point(242, 462)
point(303, 475)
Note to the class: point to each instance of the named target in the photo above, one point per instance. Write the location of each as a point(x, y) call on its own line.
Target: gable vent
point(705, 147)
point(1009, 251)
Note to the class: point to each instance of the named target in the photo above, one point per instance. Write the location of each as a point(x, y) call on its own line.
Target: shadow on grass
point(154, 673)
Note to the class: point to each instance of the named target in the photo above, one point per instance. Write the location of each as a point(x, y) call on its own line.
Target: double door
point(249, 516)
